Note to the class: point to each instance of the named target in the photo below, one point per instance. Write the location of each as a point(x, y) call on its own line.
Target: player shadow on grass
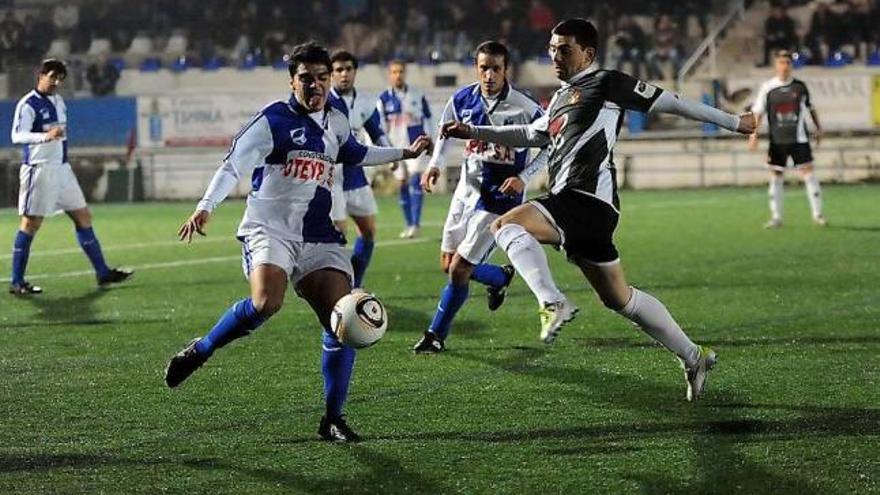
point(816, 340)
point(406, 320)
point(855, 228)
point(385, 474)
point(718, 427)
point(72, 310)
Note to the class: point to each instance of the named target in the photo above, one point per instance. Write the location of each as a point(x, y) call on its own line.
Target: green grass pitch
point(791, 408)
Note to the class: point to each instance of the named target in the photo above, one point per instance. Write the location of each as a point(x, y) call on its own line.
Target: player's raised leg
point(776, 195)
point(452, 298)
point(363, 247)
point(814, 193)
point(21, 250)
point(268, 283)
point(520, 233)
point(322, 288)
point(650, 315)
point(85, 236)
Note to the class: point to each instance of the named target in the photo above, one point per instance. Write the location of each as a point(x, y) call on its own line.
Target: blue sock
point(337, 363)
point(406, 204)
point(489, 274)
point(92, 248)
point(236, 322)
point(360, 259)
point(416, 198)
point(21, 251)
point(451, 300)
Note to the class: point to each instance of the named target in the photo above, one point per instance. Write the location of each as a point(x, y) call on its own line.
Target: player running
point(581, 211)
point(786, 101)
point(406, 115)
point(288, 150)
point(489, 174)
point(46, 181)
point(352, 194)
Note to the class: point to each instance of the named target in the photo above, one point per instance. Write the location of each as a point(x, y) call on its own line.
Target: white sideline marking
point(117, 247)
point(198, 261)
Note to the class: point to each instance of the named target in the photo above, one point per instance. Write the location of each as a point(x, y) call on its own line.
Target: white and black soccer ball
point(359, 319)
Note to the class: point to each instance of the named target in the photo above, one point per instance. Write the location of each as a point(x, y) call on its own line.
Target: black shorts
point(800, 153)
point(585, 223)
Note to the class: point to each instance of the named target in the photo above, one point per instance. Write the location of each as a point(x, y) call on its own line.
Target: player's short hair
point(584, 32)
point(344, 56)
point(495, 49)
point(309, 52)
point(53, 65)
point(785, 54)
point(397, 61)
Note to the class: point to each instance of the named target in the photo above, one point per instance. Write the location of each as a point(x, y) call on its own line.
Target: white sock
point(814, 194)
point(777, 184)
point(651, 315)
point(530, 261)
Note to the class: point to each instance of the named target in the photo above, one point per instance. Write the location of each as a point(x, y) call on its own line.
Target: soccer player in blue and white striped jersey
point(352, 194)
point(492, 182)
point(289, 150)
point(406, 115)
point(47, 183)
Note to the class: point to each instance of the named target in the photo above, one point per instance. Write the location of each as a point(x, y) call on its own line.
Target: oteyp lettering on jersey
point(404, 113)
point(362, 116)
point(488, 165)
point(43, 112)
point(295, 180)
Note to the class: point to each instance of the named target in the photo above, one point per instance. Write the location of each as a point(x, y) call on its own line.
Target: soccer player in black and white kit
point(581, 211)
point(786, 102)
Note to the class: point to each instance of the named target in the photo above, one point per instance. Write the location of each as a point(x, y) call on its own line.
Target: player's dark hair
point(344, 56)
point(494, 49)
point(784, 54)
point(309, 52)
point(584, 32)
point(53, 65)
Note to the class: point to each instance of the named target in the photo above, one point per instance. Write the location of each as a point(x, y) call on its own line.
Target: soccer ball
point(359, 319)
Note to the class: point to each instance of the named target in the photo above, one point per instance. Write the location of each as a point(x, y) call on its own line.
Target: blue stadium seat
point(282, 63)
point(250, 61)
point(838, 59)
point(799, 60)
point(150, 64)
point(874, 58)
point(117, 62)
point(214, 63)
point(181, 64)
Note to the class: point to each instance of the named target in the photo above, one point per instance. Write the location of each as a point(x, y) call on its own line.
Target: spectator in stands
point(35, 38)
point(10, 40)
point(821, 34)
point(779, 33)
point(667, 49)
point(102, 76)
point(631, 44)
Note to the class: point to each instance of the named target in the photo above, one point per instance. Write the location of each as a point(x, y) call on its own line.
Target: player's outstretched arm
point(516, 185)
point(518, 136)
point(195, 224)
point(356, 153)
point(672, 103)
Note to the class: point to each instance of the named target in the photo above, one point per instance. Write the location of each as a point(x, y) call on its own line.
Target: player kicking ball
point(289, 150)
point(491, 183)
point(47, 183)
point(581, 211)
point(786, 101)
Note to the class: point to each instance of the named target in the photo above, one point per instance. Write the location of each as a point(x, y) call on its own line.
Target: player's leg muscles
point(82, 218)
point(362, 252)
point(366, 226)
point(532, 220)
point(519, 232)
point(639, 307)
point(460, 270)
point(30, 224)
point(814, 190)
point(321, 289)
point(268, 285)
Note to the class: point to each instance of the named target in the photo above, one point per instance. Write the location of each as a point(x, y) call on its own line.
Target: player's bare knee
point(460, 271)
point(498, 223)
point(612, 302)
point(31, 224)
point(267, 305)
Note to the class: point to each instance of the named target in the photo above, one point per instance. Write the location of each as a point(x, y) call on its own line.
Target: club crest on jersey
point(298, 136)
point(555, 129)
point(466, 116)
point(575, 98)
point(44, 113)
point(644, 89)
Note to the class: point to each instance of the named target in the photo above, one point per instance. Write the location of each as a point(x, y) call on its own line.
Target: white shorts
point(466, 232)
point(358, 202)
point(408, 168)
point(47, 189)
point(296, 258)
